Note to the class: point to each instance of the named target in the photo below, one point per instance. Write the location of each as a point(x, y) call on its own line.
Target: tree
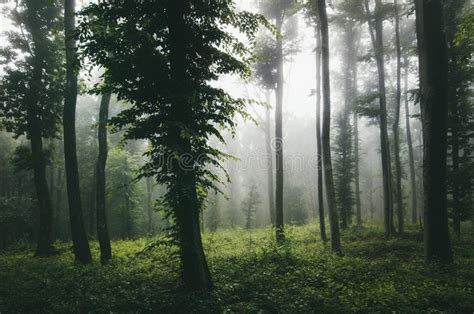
point(345, 161)
point(460, 127)
point(344, 169)
point(149, 205)
point(278, 12)
point(396, 122)
point(102, 229)
point(79, 238)
point(411, 158)
point(326, 145)
point(433, 67)
point(31, 94)
point(375, 23)
point(249, 205)
point(312, 13)
point(173, 105)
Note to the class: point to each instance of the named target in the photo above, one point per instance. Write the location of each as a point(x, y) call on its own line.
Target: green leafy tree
point(344, 169)
point(461, 111)
point(173, 50)
point(249, 205)
point(277, 12)
point(31, 93)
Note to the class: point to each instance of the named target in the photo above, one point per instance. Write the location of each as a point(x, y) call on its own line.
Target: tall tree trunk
point(433, 60)
point(45, 231)
point(149, 204)
point(356, 135)
point(268, 145)
point(102, 229)
point(279, 224)
point(377, 41)
point(326, 129)
point(79, 238)
point(396, 136)
point(195, 271)
point(356, 160)
point(322, 223)
point(411, 157)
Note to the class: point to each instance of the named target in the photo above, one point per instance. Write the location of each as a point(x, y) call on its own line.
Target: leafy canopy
point(36, 44)
point(131, 40)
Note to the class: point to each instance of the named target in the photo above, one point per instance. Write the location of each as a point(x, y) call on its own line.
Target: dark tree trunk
point(195, 271)
point(322, 223)
point(377, 41)
point(102, 229)
point(326, 140)
point(411, 157)
point(45, 231)
point(268, 145)
point(396, 136)
point(79, 237)
point(433, 60)
point(279, 224)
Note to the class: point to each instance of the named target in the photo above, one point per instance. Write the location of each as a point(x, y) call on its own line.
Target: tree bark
point(356, 155)
point(268, 145)
point(433, 67)
point(79, 238)
point(322, 223)
point(195, 271)
point(411, 157)
point(279, 223)
point(377, 41)
point(326, 129)
point(395, 127)
point(102, 229)
point(45, 231)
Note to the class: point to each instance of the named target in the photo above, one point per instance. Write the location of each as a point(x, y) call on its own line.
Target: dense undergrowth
point(251, 274)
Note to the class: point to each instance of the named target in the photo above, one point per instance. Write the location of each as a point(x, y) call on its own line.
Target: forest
point(236, 156)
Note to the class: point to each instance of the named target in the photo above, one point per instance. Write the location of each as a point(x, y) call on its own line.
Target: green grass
point(251, 274)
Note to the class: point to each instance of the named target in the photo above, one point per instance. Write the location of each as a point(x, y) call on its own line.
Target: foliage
point(135, 33)
point(344, 168)
point(375, 275)
point(295, 206)
point(123, 195)
point(249, 205)
point(36, 45)
point(461, 115)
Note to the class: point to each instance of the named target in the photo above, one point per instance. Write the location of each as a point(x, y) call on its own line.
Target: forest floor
point(251, 274)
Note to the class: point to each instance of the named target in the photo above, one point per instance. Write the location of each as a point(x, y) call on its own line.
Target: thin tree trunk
point(195, 270)
point(268, 145)
point(396, 136)
point(326, 141)
point(102, 229)
point(377, 41)
point(79, 238)
point(357, 171)
point(322, 223)
point(433, 67)
point(279, 224)
point(411, 157)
